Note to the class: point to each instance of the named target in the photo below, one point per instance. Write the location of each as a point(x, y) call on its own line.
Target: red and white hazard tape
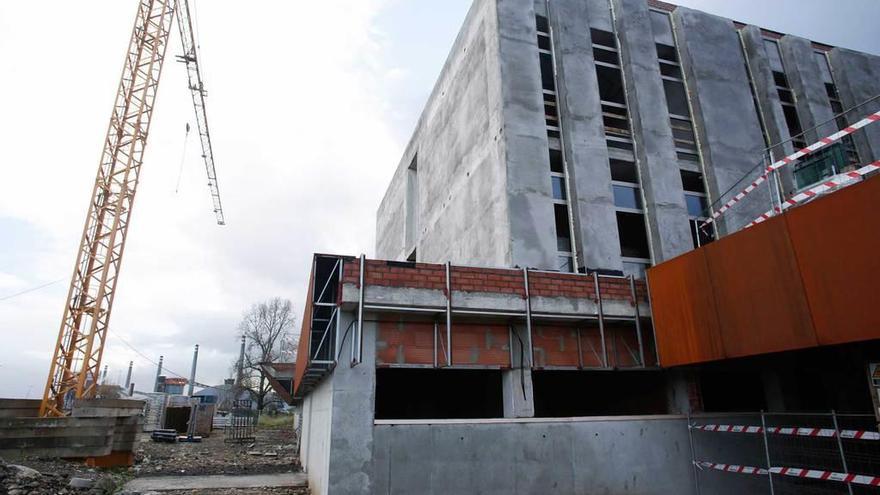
point(859, 479)
point(801, 432)
point(730, 468)
point(870, 119)
point(835, 182)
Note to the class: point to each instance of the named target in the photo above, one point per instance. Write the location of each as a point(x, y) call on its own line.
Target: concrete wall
point(583, 132)
point(857, 76)
point(462, 208)
point(727, 124)
point(637, 455)
point(317, 410)
point(669, 234)
point(524, 142)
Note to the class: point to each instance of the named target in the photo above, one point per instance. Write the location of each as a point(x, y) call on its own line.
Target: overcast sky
point(309, 110)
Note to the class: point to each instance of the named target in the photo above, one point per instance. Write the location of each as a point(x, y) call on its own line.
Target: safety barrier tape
point(801, 432)
point(840, 180)
point(730, 468)
point(816, 474)
point(870, 119)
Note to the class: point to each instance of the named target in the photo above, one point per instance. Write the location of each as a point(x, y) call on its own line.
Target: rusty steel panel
point(836, 239)
point(683, 308)
point(758, 292)
point(304, 345)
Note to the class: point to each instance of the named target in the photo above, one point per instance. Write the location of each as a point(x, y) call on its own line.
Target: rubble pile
point(21, 480)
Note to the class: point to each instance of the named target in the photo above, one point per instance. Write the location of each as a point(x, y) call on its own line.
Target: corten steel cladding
point(836, 240)
point(801, 279)
point(305, 337)
point(683, 308)
point(77, 359)
point(758, 292)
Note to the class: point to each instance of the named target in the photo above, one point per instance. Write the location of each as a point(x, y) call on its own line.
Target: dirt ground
point(243, 491)
point(270, 452)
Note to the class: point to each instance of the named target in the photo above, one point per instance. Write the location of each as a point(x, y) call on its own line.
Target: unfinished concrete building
point(594, 134)
point(507, 343)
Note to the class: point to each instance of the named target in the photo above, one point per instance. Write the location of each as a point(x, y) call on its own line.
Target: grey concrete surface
point(317, 411)
point(857, 76)
point(484, 192)
point(351, 427)
point(655, 151)
point(524, 142)
point(169, 483)
point(459, 142)
point(584, 135)
point(730, 133)
point(634, 456)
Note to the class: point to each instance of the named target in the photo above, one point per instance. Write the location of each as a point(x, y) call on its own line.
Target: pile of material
point(22, 480)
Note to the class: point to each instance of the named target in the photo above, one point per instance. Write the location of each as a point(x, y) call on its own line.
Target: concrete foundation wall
point(574, 455)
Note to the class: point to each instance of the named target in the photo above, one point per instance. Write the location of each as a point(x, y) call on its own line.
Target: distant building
point(223, 395)
point(172, 386)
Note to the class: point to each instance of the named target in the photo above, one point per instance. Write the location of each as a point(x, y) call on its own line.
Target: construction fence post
point(693, 453)
point(840, 447)
point(766, 450)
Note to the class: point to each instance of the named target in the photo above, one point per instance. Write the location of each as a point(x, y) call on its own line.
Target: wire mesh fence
point(785, 453)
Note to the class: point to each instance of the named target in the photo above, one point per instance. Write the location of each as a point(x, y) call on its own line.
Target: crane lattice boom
point(197, 88)
point(76, 362)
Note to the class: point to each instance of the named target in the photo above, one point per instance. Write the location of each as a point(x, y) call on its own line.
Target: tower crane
point(76, 362)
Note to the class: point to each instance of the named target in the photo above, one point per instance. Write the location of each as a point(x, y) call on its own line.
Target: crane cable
point(182, 159)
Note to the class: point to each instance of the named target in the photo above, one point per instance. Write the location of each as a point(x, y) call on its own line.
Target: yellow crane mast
point(76, 362)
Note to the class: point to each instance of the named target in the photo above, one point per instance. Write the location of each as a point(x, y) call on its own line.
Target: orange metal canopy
point(801, 279)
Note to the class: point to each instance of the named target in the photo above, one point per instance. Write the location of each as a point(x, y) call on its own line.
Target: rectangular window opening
point(624, 171)
point(547, 77)
point(558, 185)
point(633, 236)
point(556, 161)
point(412, 203)
point(438, 394)
point(563, 228)
point(610, 85)
point(599, 393)
point(627, 197)
point(603, 38)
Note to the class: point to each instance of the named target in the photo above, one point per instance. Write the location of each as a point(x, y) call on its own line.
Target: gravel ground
point(243, 491)
point(271, 452)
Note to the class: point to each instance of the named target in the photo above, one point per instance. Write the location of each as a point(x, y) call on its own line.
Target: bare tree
point(266, 328)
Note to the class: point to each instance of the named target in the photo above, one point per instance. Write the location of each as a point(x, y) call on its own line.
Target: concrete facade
point(481, 193)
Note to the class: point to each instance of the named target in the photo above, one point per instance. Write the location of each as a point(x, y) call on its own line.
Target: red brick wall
point(497, 280)
point(409, 342)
